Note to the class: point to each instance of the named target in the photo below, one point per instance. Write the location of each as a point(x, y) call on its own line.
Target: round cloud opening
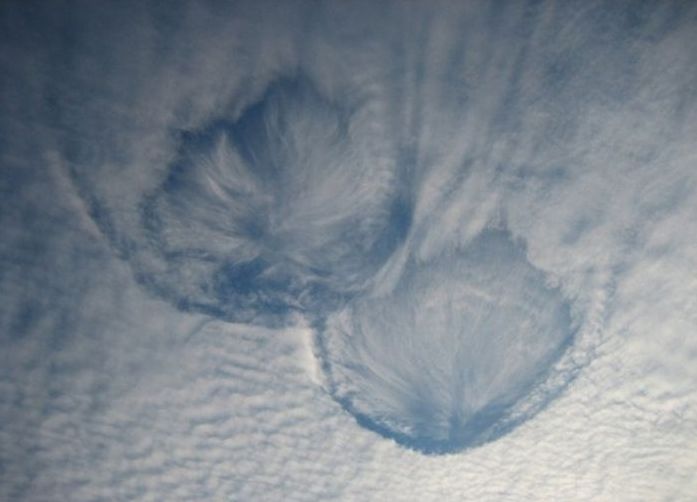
point(276, 210)
point(451, 357)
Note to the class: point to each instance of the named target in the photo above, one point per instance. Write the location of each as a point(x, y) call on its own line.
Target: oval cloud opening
point(445, 360)
point(279, 209)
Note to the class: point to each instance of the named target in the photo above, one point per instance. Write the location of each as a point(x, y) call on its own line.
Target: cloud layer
point(224, 225)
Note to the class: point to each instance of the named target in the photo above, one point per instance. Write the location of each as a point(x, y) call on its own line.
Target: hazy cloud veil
point(348, 250)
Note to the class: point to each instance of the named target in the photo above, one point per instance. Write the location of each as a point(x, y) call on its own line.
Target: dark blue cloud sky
point(258, 250)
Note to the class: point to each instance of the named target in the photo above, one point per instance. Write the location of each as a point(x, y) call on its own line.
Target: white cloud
point(572, 128)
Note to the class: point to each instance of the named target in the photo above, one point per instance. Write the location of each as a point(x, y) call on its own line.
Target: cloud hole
point(441, 362)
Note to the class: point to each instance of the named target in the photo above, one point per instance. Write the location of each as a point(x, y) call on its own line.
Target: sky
point(348, 251)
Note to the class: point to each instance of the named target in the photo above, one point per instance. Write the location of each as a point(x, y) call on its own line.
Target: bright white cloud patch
point(277, 251)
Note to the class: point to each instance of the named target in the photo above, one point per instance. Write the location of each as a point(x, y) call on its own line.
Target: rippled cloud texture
point(348, 250)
